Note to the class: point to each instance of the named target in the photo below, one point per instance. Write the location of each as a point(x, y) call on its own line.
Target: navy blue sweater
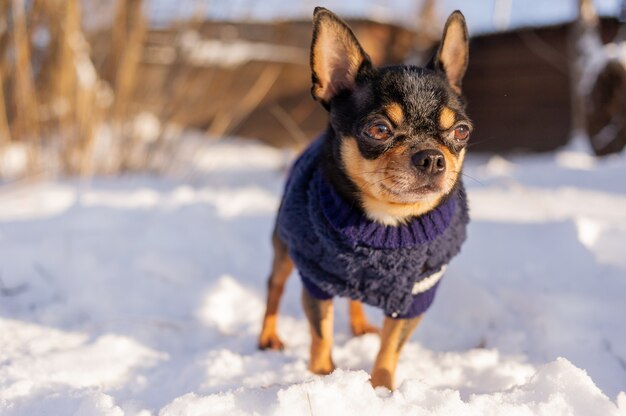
point(340, 252)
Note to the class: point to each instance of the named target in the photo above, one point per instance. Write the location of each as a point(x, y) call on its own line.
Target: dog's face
point(400, 132)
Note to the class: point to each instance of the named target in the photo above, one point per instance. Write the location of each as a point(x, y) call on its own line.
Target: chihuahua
point(374, 209)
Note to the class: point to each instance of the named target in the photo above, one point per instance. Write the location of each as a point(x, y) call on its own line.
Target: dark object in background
point(518, 90)
point(599, 71)
point(606, 115)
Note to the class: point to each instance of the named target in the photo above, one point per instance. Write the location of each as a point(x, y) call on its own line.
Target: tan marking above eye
point(446, 118)
point(395, 113)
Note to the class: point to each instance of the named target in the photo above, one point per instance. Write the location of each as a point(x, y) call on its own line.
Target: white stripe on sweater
point(428, 282)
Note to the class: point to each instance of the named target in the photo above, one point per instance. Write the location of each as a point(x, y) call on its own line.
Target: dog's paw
point(270, 342)
point(382, 378)
point(322, 367)
point(362, 328)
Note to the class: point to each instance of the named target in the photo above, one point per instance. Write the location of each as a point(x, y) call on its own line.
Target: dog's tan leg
point(394, 335)
point(320, 316)
point(282, 266)
point(358, 320)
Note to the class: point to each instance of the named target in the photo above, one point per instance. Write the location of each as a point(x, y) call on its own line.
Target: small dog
point(375, 208)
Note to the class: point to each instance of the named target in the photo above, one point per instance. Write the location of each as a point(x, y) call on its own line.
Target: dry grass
point(117, 98)
point(72, 107)
point(54, 101)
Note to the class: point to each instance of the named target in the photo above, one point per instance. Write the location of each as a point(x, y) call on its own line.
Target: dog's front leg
point(394, 335)
point(282, 267)
point(320, 316)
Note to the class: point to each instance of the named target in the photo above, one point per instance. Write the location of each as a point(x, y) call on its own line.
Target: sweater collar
point(350, 221)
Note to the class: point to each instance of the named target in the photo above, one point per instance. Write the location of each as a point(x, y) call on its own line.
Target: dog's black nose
point(429, 161)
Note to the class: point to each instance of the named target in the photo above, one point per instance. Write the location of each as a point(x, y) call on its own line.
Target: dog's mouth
point(405, 183)
point(412, 193)
point(428, 190)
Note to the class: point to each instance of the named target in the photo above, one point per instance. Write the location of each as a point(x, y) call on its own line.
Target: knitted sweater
point(340, 252)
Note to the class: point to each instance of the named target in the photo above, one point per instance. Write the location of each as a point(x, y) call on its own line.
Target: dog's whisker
point(472, 178)
point(388, 169)
point(380, 180)
point(371, 172)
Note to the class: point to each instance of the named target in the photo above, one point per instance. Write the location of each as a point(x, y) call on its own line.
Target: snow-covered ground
point(144, 295)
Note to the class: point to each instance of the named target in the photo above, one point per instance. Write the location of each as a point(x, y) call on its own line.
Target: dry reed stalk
point(289, 123)
point(427, 28)
point(4, 35)
point(88, 114)
point(176, 82)
point(64, 83)
point(118, 39)
point(586, 25)
point(226, 121)
point(134, 30)
point(5, 133)
point(26, 123)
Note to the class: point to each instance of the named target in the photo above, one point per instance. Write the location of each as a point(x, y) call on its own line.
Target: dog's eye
point(461, 133)
point(378, 131)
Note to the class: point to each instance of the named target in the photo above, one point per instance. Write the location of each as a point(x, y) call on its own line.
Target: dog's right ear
point(336, 56)
point(453, 52)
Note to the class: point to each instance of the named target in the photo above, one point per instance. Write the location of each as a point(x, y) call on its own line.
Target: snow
point(557, 388)
point(13, 160)
point(233, 53)
point(147, 127)
point(143, 295)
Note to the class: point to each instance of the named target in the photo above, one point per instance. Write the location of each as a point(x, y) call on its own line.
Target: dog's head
point(399, 132)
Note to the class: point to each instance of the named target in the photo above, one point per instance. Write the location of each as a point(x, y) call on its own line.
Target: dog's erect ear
point(453, 54)
point(336, 56)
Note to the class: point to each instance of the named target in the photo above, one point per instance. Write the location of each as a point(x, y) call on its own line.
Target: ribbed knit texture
point(340, 252)
point(357, 228)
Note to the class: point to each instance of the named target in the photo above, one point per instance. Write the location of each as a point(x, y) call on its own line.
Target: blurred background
point(109, 86)
point(144, 146)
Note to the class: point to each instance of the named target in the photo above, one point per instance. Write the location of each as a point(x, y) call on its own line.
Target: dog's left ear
point(453, 54)
point(336, 56)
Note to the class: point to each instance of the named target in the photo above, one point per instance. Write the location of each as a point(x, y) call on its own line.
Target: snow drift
point(143, 295)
